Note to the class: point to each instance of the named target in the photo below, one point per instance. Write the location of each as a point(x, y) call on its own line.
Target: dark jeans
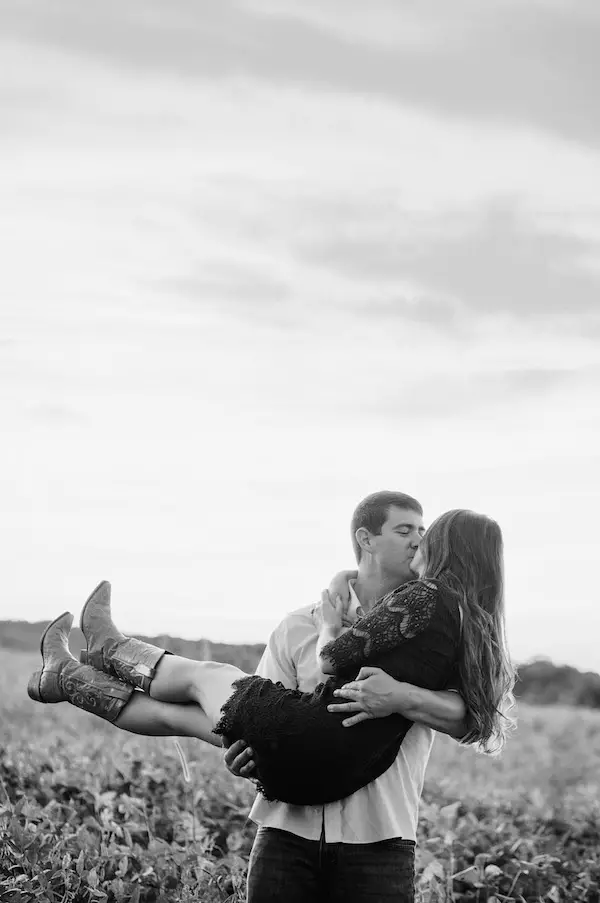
point(285, 867)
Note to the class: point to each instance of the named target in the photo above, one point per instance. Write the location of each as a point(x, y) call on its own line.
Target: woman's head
point(464, 552)
point(465, 548)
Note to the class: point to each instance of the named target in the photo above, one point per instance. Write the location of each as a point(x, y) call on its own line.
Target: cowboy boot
point(64, 679)
point(110, 650)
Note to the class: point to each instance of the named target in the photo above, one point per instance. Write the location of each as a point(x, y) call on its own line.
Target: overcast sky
point(259, 259)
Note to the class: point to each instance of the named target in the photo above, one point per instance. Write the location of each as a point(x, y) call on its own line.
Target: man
point(360, 848)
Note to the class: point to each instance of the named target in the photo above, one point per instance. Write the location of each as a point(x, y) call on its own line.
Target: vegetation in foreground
point(88, 813)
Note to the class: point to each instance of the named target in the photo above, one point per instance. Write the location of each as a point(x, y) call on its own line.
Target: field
point(89, 813)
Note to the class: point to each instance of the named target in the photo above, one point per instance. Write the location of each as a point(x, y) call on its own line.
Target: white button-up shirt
point(387, 807)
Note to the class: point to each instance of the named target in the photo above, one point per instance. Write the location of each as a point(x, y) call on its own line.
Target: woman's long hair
point(463, 551)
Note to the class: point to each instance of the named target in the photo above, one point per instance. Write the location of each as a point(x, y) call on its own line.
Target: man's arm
point(374, 694)
point(442, 710)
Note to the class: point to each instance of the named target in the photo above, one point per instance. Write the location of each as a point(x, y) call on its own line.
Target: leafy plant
point(89, 814)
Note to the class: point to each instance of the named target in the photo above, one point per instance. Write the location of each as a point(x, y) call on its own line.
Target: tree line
point(539, 682)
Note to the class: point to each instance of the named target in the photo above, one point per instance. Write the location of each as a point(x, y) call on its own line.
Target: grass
point(93, 814)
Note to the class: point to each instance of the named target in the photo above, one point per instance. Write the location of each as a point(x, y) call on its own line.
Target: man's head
point(386, 531)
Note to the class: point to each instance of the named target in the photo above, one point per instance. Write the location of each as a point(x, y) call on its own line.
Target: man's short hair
point(372, 513)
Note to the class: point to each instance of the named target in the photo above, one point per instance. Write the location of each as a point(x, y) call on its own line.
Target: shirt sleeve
point(399, 617)
point(276, 663)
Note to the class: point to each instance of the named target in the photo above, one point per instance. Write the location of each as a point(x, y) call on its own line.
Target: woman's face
point(417, 565)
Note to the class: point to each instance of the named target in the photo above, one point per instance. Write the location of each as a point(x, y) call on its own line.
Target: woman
point(453, 616)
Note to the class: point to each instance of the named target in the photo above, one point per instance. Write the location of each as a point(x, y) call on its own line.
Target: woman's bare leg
point(208, 684)
point(173, 679)
point(143, 715)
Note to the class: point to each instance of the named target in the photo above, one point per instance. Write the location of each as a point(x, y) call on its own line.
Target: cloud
point(55, 414)
point(277, 258)
point(490, 261)
point(230, 281)
point(523, 64)
point(534, 65)
point(533, 380)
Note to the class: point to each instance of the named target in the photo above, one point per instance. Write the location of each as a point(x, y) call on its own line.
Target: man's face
point(395, 548)
point(417, 565)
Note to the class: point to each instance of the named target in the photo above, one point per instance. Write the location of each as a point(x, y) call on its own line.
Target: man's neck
point(372, 586)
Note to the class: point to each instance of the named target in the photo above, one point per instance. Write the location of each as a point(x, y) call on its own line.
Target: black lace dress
point(302, 752)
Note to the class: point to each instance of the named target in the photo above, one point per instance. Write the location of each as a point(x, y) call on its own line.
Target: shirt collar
point(355, 609)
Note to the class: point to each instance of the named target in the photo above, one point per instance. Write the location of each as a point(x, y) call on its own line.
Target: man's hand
point(374, 694)
point(239, 761)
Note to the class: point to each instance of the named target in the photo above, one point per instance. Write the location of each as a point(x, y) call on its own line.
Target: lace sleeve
point(399, 617)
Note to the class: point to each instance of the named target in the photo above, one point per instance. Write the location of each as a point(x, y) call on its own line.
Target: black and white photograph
point(300, 455)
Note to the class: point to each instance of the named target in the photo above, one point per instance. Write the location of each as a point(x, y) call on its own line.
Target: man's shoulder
point(298, 618)
point(302, 614)
point(296, 623)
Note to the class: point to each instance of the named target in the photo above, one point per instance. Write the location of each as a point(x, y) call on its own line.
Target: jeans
point(285, 867)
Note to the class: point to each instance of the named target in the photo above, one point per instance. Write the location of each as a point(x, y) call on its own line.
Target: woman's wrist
point(327, 634)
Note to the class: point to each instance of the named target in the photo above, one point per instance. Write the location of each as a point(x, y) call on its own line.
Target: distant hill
point(25, 637)
point(540, 682)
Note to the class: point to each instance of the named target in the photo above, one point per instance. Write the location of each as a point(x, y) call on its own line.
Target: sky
point(262, 258)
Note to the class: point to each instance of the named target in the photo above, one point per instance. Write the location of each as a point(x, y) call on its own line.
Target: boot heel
point(33, 686)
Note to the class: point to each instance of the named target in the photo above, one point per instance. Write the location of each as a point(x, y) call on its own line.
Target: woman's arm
point(327, 634)
point(375, 694)
point(401, 616)
point(329, 620)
